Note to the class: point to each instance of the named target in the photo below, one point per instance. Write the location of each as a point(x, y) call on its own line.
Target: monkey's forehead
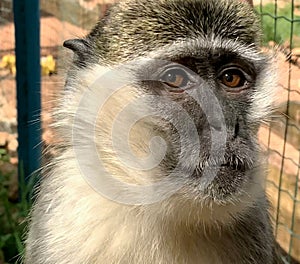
point(133, 27)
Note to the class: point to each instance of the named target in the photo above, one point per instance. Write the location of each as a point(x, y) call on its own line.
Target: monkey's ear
point(79, 46)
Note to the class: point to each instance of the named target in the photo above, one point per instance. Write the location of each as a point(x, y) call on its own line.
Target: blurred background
point(59, 20)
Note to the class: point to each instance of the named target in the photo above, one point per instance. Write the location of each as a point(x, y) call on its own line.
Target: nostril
point(236, 130)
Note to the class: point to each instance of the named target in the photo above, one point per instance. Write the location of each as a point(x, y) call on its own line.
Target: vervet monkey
point(158, 160)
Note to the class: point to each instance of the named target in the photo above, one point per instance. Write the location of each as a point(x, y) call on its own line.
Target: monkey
point(158, 159)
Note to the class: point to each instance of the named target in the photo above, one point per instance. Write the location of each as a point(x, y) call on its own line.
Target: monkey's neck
point(149, 239)
point(106, 232)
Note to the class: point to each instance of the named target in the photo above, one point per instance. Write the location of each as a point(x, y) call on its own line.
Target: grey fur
point(228, 221)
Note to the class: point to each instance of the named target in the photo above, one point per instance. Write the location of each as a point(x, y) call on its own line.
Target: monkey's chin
point(227, 197)
point(231, 179)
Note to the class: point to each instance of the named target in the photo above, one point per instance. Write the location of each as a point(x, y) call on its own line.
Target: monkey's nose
point(236, 129)
point(215, 123)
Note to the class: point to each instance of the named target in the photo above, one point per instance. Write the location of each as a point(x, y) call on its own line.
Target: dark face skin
point(214, 38)
point(231, 78)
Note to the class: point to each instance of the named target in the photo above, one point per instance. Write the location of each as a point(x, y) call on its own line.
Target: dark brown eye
point(233, 78)
point(175, 78)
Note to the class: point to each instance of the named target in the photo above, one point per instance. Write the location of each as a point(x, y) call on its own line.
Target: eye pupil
point(229, 77)
point(233, 78)
point(175, 78)
point(171, 77)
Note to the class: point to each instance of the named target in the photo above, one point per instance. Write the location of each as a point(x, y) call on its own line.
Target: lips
point(236, 164)
point(228, 162)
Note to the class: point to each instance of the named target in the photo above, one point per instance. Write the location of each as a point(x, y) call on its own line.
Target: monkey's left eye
point(176, 78)
point(233, 78)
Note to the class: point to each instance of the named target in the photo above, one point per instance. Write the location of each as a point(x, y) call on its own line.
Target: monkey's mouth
point(236, 165)
point(228, 163)
point(224, 178)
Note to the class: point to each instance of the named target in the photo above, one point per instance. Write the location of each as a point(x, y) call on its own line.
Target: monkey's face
point(184, 90)
point(202, 95)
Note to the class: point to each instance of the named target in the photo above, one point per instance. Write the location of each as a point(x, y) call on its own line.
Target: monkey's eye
point(176, 78)
point(233, 78)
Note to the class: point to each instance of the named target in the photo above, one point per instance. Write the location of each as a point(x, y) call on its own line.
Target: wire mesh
point(8, 120)
point(7, 69)
point(281, 25)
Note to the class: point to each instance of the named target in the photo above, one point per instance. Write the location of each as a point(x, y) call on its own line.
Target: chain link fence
point(281, 25)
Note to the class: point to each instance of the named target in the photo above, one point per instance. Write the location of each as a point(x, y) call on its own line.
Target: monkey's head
point(164, 100)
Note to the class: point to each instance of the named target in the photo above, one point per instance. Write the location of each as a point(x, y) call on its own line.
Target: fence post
point(27, 49)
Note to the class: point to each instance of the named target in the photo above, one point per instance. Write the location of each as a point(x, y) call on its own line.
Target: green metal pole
point(27, 49)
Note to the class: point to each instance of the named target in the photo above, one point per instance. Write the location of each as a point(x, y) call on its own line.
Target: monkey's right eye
point(234, 79)
point(175, 78)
